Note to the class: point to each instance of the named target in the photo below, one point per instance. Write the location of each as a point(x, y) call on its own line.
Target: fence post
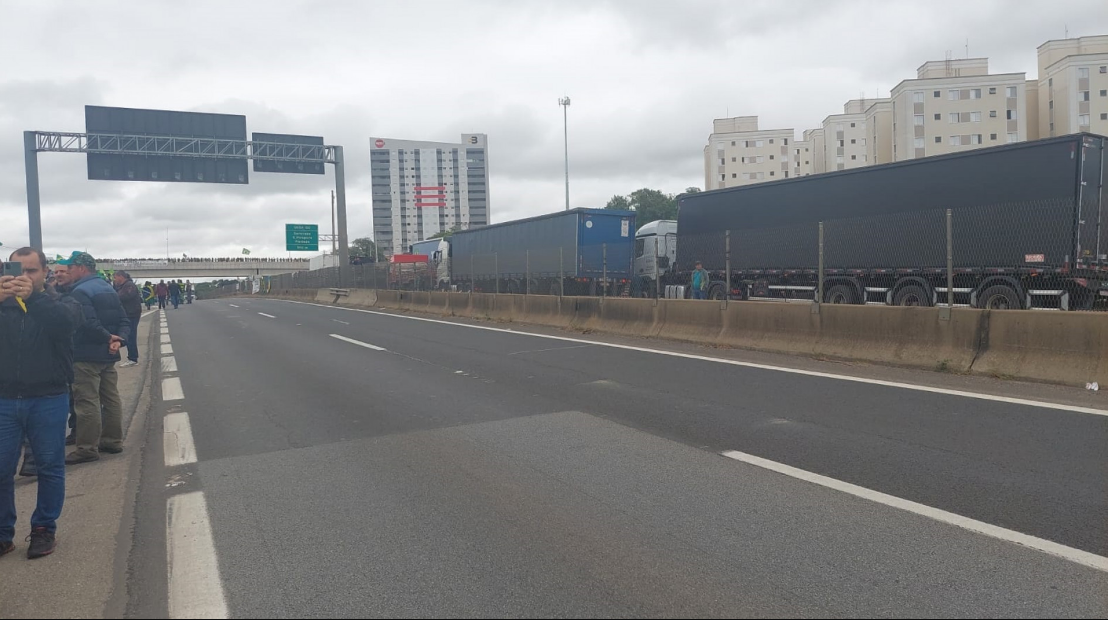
point(561, 271)
point(472, 277)
point(527, 284)
point(604, 281)
point(949, 258)
point(496, 270)
point(819, 292)
point(727, 282)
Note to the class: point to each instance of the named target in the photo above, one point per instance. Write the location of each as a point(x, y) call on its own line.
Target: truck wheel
point(1000, 297)
point(716, 292)
point(841, 294)
point(556, 289)
point(912, 295)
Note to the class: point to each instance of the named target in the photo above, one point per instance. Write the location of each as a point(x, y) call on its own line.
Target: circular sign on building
point(379, 143)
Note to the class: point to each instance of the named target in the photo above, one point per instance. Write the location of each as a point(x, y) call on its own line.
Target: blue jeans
point(43, 421)
point(132, 339)
point(699, 294)
point(176, 301)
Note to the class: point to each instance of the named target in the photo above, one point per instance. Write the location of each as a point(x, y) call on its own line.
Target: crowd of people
point(61, 333)
point(190, 259)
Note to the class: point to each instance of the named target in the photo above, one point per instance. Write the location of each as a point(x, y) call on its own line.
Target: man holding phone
point(36, 368)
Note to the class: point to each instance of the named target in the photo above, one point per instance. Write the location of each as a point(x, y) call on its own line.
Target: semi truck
point(585, 252)
point(1027, 230)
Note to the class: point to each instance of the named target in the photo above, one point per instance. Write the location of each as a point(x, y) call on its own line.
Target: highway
point(313, 461)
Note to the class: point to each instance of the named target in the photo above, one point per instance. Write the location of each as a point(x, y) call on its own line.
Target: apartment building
point(956, 105)
point(1073, 86)
point(738, 153)
point(819, 150)
point(801, 158)
point(845, 137)
point(422, 188)
point(879, 131)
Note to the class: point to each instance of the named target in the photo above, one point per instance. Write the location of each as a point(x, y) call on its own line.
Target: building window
point(842, 143)
point(863, 141)
point(936, 95)
point(734, 176)
point(1083, 95)
point(771, 156)
point(954, 117)
point(992, 91)
point(1012, 115)
point(1104, 68)
point(975, 117)
point(732, 143)
point(975, 93)
point(1083, 120)
point(853, 141)
point(953, 95)
point(838, 159)
point(917, 97)
point(838, 126)
point(771, 140)
point(918, 119)
point(854, 158)
point(992, 137)
point(1050, 104)
point(938, 117)
point(975, 139)
point(1082, 72)
point(723, 177)
point(1104, 116)
point(955, 141)
point(1104, 93)
point(992, 113)
point(1013, 137)
point(759, 143)
point(852, 125)
point(919, 143)
point(771, 173)
point(938, 139)
point(1050, 82)
point(732, 159)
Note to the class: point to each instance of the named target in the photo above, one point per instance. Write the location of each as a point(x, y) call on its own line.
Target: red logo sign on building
point(430, 196)
point(379, 143)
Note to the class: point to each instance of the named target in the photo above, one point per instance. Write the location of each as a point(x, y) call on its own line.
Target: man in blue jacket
point(95, 352)
point(36, 368)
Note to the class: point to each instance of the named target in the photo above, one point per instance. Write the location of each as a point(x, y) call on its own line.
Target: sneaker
point(42, 543)
point(27, 471)
point(111, 449)
point(73, 458)
point(128, 364)
point(71, 439)
point(6, 547)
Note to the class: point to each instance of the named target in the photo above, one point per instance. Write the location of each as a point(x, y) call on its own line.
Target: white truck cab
point(655, 254)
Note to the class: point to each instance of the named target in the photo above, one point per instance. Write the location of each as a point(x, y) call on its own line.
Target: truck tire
point(1000, 297)
point(716, 292)
point(556, 288)
point(912, 295)
point(841, 294)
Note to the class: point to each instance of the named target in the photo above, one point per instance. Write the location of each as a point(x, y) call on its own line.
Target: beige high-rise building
point(879, 131)
point(1073, 86)
point(956, 105)
point(845, 137)
point(738, 153)
point(819, 149)
point(802, 158)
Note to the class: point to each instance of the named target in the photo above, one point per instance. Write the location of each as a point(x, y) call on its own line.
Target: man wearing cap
point(131, 299)
point(95, 352)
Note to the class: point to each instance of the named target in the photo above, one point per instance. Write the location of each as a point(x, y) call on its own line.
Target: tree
point(692, 190)
point(648, 204)
point(445, 234)
point(366, 248)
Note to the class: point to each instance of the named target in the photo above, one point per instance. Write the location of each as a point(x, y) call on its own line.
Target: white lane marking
point(267, 315)
point(167, 349)
point(795, 371)
point(165, 339)
point(146, 314)
point(554, 349)
point(169, 364)
point(358, 342)
point(177, 441)
point(165, 330)
point(195, 588)
point(338, 321)
point(171, 389)
point(232, 305)
point(1052, 548)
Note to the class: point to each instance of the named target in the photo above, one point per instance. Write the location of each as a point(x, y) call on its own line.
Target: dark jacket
point(36, 347)
point(162, 290)
point(174, 290)
point(130, 297)
point(103, 318)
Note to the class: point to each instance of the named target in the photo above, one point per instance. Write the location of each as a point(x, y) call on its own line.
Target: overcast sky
point(646, 79)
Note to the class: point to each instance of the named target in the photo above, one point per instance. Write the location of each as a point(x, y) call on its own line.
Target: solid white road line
point(177, 441)
point(1067, 553)
point(165, 330)
point(195, 588)
point(165, 339)
point(146, 314)
point(167, 349)
point(171, 389)
point(267, 315)
point(796, 371)
point(358, 342)
point(169, 364)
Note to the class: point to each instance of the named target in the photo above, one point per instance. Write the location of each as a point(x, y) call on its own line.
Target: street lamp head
point(563, 101)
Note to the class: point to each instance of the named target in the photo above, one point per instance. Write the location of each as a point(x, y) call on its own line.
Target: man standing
point(188, 291)
point(175, 293)
point(163, 293)
point(131, 299)
point(36, 368)
point(95, 351)
point(699, 282)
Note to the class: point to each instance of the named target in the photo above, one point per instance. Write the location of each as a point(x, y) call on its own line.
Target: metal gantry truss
point(177, 146)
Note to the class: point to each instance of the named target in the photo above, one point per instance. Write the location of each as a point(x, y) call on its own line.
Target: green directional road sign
point(302, 237)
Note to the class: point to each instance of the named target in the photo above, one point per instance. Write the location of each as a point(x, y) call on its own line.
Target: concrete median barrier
point(438, 303)
point(633, 317)
point(690, 320)
point(388, 299)
point(325, 296)
point(548, 310)
point(482, 305)
point(1059, 347)
point(460, 304)
point(903, 336)
point(770, 326)
point(360, 297)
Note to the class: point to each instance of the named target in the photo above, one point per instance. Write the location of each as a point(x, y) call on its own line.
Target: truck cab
point(655, 254)
point(438, 258)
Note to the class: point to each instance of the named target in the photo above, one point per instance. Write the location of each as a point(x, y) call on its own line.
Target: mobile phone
point(13, 269)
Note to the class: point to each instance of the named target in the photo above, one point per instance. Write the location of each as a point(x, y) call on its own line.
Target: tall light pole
point(564, 102)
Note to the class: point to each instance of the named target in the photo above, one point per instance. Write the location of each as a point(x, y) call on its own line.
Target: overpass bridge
point(185, 268)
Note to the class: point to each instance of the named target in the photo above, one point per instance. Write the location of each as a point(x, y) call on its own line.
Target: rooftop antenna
point(967, 47)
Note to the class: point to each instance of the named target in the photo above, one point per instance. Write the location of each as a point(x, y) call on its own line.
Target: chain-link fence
point(1030, 255)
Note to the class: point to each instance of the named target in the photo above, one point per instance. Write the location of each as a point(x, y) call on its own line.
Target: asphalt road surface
point(322, 462)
